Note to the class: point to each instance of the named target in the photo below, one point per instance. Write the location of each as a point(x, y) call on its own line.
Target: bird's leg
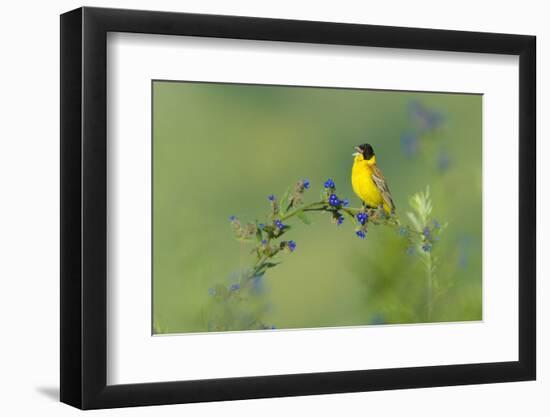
point(382, 212)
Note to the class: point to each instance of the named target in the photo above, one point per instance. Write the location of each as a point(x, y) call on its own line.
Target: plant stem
point(301, 209)
point(351, 212)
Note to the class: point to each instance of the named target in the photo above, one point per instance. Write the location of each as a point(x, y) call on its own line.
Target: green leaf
point(416, 223)
point(302, 216)
point(266, 266)
point(283, 202)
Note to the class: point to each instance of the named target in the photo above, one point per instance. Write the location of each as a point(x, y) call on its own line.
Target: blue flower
point(426, 232)
point(414, 108)
point(279, 224)
point(434, 120)
point(291, 245)
point(271, 197)
point(235, 287)
point(329, 183)
point(426, 247)
point(377, 318)
point(340, 220)
point(409, 144)
point(361, 234)
point(306, 183)
point(232, 218)
point(426, 118)
point(264, 242)
point(333, 200)
point(345, 202)
point(362, 218)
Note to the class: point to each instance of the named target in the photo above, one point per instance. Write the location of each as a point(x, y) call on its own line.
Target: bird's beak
point(357, 151)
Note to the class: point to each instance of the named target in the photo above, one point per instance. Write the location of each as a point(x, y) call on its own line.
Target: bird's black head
point(365, 150)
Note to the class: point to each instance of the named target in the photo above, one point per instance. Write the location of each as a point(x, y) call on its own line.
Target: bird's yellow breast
point(363, 184)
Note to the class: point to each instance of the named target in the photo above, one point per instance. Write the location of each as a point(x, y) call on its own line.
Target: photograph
point(299, 207)
point(293, 208)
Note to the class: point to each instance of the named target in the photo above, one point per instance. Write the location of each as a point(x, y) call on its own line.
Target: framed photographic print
point(257, 208)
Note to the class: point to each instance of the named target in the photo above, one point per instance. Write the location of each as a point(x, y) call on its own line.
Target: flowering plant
point(234, 309)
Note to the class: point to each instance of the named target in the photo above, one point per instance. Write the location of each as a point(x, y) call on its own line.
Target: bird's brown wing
point(382, 186)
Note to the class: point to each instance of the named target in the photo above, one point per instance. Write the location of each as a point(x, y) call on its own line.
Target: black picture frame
point(84, 207)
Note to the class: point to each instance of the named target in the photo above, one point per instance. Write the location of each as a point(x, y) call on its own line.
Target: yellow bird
point(368, 182)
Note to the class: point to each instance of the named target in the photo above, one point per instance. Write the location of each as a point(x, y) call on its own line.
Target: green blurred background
point(221, 149)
